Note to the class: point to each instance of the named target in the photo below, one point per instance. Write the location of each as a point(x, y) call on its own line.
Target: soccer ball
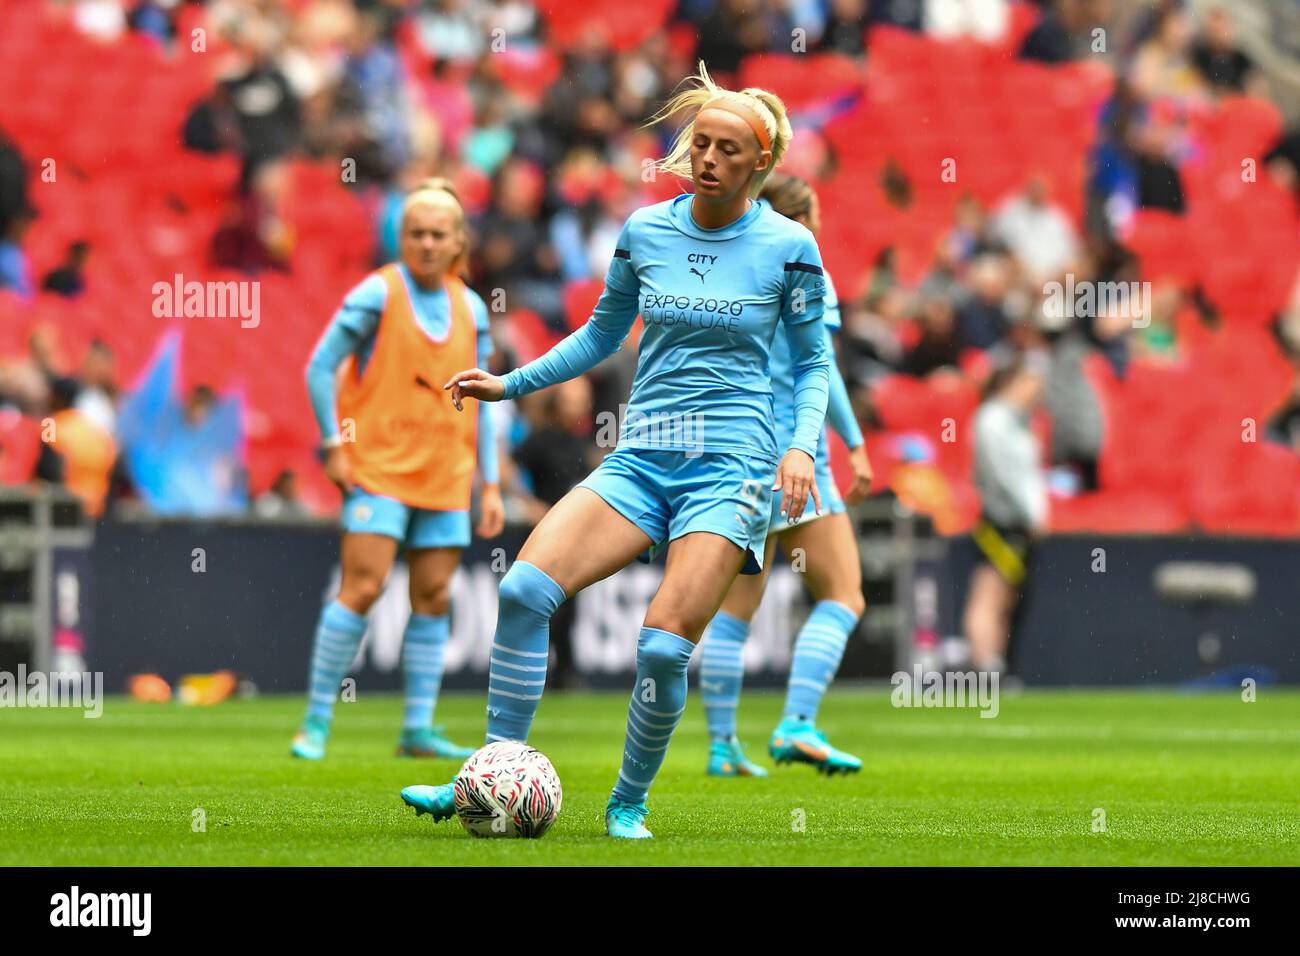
point(508, 789)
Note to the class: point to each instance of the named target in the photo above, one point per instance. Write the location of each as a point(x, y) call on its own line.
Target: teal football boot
point(311, 739)
point(798, 741)
point(430, 742)
point(439, 801)
point(626, 821)
point(727, 759)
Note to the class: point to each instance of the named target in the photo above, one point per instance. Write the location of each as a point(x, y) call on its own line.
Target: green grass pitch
point(1201, 779)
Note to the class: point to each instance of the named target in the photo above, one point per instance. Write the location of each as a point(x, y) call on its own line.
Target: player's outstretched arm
point(600, 337)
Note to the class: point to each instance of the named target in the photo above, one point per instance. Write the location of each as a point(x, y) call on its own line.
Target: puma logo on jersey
point(700, 274)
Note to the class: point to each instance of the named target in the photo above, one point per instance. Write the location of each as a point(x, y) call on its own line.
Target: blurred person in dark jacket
point(1221, 62)
point(940, 344)
point(555, 456)
point(68, 278)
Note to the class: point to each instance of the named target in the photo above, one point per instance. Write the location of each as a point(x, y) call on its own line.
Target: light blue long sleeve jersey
point(352, 331)
point(839, 410)
point(711, 300)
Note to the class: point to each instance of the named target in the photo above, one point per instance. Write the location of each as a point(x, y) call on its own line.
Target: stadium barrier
point(174, 597)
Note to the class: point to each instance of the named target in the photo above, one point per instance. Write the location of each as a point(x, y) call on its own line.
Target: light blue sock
point(817, 653)
point(658, 700)
point(527, 599)
point(422, 647)
point(722, 672)
point(337, 637)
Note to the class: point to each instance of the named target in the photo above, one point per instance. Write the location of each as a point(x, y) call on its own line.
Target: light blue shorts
point(832, 503)
point(668, 494)
point(414, 528)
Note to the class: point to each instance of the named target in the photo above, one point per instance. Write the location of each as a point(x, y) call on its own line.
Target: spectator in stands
point(211, 125)
point(869, 345)
point(281, 500)
point(845, 31)
point(1163, 65)
point(67, 278)
point(1013, 508)
point(1053, 38)
point(512, 252)
point(154, 18)
point(254, 234)
point(972, 233)
point(1038, 232)
point(449, 30)
point(557, 452)
point(1157, 340)
point(984, 20)
point(1112, 191)
point(737, 28)
point(97, 397)
point(14, 202)
point(376, 71)
point(1159, 185)
point(266, 110)
point(101, 20)
point(491, 140)
point(15, 267)
point(981, 313)
point(939, 345)
point(1072, 403)
point(1221, 62)
point(891, 13)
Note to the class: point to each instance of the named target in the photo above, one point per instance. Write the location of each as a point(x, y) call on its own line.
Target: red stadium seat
point(623, 26)
point(580, 300)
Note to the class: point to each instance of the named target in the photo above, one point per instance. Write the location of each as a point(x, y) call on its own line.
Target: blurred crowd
point(560, 169)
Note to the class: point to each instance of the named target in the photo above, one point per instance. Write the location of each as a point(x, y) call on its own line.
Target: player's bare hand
point(492, 512)
point(338, 469)
point(862, 475)
point(795, 479)
point(475, 383)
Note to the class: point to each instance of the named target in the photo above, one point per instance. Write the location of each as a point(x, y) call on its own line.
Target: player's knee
point(360, 591)
point(431, 599)
point(528, 591)
point(684, 624)
point(661, 656)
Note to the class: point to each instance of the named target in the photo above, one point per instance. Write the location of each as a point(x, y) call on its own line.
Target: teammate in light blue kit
point(830, 565)
point(403, 323)
point(716, 277)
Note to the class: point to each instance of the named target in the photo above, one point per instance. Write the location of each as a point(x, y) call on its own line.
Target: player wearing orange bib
point(403, 457)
